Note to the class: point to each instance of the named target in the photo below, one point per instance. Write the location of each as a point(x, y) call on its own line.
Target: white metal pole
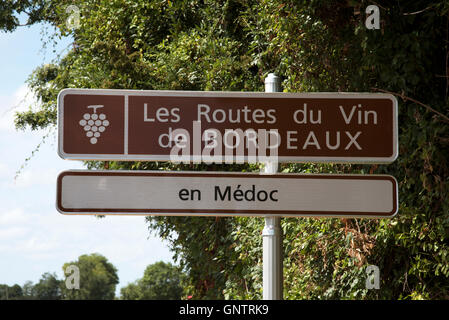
point(272, 236)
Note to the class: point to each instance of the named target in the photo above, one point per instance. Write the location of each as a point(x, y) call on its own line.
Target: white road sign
point(226, 194)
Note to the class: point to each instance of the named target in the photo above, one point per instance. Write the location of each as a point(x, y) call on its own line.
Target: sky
point(34, 237)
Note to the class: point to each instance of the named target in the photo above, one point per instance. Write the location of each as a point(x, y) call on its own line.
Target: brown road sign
point(314, 127)
point(226, 194)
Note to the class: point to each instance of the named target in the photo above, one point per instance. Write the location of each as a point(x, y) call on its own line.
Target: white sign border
point(205, 173)
point(230, 94)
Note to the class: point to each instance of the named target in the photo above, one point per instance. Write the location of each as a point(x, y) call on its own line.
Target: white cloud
point(4, 171)
point(10, 217)
point(47, 235)
point(13, 232)
point(28, 178)
point(19, 101)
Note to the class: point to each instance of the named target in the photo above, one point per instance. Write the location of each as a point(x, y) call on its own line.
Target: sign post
point(273, 273)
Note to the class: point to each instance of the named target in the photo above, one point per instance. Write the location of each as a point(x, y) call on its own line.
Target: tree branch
point(405, 98)
point(417, 12)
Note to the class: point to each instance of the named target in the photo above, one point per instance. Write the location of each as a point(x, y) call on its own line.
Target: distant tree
point(161, 281)
point(132, 291)
point(48, 287)
point(10, 292)
point(28, 290)
point(4, 291)
point(98, 279)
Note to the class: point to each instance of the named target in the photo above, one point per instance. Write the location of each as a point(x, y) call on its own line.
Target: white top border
point(230, 94)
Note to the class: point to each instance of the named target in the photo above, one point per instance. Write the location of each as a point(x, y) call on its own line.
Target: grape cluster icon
point(94, 124)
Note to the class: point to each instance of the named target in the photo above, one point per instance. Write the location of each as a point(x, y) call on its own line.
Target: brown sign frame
point(126, 156)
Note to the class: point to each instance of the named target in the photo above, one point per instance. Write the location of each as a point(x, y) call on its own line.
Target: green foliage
point(27, 290)
point(11, 9)
point(314, 45)
point(131, 292)
point(98, 279)
point(161, 281)
point(10, 292)
point(207, 257)
point(48, 287)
